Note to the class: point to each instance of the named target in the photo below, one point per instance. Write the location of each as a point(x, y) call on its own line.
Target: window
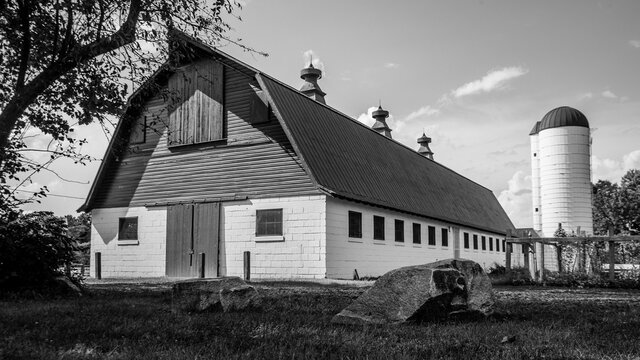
point(484, 243)
point(475, 242)
point(196, 103)
point(497, 244)
point(128, 228)
point(138, 128)
point(490, 244)
point(269, 222)
point(445, 237)
point(399, 228)
point(536, 209)
point(466, 240)
point(355, 224)
point(534, 154)
point(504, 247)
point(417, 236)
point(378, 227)
point(431, 235)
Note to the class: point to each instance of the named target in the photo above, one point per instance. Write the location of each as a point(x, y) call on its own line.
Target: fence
point(587, 254)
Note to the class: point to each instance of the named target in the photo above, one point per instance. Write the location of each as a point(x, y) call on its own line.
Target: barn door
point(192, 230)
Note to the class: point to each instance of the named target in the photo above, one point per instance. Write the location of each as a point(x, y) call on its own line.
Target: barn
point(214, 159)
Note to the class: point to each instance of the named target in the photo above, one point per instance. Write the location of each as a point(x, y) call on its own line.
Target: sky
point(475, 76)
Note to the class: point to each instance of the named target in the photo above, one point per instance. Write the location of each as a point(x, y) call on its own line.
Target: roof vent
point(424, 149)
point(380, 125)
point(310, 75)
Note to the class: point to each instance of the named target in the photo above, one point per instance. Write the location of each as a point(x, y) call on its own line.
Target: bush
point(34, 248)
point(516, 276)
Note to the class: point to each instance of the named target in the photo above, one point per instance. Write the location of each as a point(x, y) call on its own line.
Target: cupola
point(310, 75)
point(380, 125)
point(424, 149)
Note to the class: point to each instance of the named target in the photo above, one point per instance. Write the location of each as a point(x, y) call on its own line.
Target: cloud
point(391, 65)
point(585, 96)
point(494, 80)
point(394, 124)
point(516, 199)
point(635, 43)
point(310, 56)
point(609, 94)
point(613, 170)
point(423, 111)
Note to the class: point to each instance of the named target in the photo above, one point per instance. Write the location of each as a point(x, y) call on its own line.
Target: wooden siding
point(255, 160)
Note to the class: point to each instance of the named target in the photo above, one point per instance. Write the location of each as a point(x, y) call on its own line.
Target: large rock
point(422, 292)
point(201, 294)
point(239, 298)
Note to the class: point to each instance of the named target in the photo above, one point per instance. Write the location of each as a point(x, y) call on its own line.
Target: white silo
point(561, 172)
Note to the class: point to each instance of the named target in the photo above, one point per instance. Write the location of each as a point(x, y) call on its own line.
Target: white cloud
point(423, 111)
point(394, 125)
point(310, 56)
point(391, 65)
point(585, 96)
point(366, 118)
point(516, 199)
point(635, 43)
point(609, 94)
point(494, 80)
point(613, 170)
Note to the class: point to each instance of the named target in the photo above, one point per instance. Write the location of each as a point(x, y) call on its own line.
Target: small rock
point(508, 339)
point(201, 294)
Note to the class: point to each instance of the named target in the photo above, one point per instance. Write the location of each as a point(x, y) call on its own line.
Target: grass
point(135, 322)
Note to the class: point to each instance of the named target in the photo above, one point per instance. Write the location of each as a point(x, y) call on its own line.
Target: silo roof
point(560, 117)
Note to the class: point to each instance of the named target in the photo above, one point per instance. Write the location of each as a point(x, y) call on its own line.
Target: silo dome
point(560, 117)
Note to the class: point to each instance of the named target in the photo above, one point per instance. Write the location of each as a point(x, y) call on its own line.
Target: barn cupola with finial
point(380, 116)
point(310, 75)
point(424, 149)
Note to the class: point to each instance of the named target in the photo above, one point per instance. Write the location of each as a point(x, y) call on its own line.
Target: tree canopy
point(617, 206)
point(70, 62)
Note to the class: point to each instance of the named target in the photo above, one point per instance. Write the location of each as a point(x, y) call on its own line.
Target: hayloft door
point(191, 231)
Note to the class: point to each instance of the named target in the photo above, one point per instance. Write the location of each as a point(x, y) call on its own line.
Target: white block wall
point(487, 258)
point(300, 253)
point(142, 258)
point(375, 257)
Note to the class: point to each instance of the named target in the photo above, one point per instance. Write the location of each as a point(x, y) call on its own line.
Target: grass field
point(135, 322)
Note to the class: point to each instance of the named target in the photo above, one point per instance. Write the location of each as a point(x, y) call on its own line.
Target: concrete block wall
point(488, 257)
point(375, 257)
point(299, 253)
point(142, 258)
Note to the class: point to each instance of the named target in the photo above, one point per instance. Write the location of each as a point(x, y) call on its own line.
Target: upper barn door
point(191, 231)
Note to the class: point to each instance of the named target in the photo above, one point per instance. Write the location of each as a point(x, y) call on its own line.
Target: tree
point(607, 207)
point(630, 193)
point(69, 62)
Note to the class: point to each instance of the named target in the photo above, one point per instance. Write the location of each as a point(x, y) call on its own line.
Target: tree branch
point(24, 9)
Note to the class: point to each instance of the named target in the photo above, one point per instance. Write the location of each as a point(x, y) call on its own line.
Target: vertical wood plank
point(206, 229)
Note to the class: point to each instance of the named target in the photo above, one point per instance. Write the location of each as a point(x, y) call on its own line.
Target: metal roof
point(349, 160)
point(559, 117)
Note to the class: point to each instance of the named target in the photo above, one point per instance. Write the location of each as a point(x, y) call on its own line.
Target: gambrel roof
point(348, 160)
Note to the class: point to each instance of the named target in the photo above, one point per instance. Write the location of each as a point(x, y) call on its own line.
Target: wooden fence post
point(542, 261)
point(98, 265)
point(247, 265)
point(612, 257)
point(202, 265)
point(559, 255)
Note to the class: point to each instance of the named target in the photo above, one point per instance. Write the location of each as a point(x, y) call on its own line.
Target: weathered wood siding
point(255, 160)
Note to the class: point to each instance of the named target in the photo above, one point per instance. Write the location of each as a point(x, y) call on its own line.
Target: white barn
point(239, 161)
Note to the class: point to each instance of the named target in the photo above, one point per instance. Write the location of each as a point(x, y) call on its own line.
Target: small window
point(536, 209)
point(269, 222)
point(475, 242)
point(490, 244)
point(535, 154)
point(417, 236)
point(378, 227)
point(484, 243)
point(445, 237)
point(355, 224)
point(399, 229)
point(466, 240)
point(128, 228)
point(431, 235)
point(504, 247)
point(497, 244)
point(138, 131)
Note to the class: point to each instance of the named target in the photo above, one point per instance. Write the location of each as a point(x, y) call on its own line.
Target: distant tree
point(607, 208)
point(68, 62)
point(630, 197)
point(79, 230)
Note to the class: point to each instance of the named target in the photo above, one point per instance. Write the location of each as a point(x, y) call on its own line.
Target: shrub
point(34, 248)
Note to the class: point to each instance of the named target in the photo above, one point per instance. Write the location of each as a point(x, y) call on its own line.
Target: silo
point(561, 172)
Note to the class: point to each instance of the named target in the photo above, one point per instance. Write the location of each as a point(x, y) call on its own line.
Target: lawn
point(135, 322)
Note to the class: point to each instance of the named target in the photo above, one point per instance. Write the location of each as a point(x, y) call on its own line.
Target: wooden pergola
point(573, 240)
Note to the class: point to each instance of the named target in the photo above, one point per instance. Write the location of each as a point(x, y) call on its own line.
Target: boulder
point(201, 294)
point(64, 285)
point(239, 298)
point(422, 292)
